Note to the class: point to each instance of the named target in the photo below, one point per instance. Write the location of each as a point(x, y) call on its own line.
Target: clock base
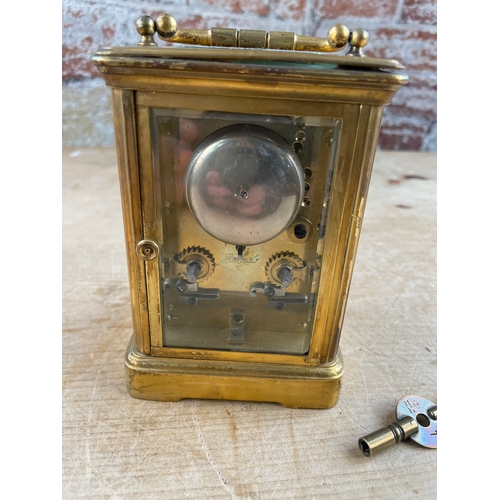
point(173, 379)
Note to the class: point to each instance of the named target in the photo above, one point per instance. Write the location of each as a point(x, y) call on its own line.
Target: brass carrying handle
point(165, 27)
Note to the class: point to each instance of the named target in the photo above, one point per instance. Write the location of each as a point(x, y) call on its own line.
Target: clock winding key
point(416, 419)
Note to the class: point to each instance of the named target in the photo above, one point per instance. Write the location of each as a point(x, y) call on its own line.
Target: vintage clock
point(244, 166)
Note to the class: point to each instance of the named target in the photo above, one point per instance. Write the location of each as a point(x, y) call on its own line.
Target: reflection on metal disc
point(415, 407)
point(244, 184)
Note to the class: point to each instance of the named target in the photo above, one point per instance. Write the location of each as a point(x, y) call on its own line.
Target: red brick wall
point(399, 29)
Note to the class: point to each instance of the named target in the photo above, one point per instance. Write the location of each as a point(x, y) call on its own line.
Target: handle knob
point(146, 27)
point(357, 40)
point(166, 26)
point(338, 36)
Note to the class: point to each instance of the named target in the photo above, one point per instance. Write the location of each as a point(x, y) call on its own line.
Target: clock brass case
point(244, 174)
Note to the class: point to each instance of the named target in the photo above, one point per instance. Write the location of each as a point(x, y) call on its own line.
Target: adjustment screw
point(238, 318)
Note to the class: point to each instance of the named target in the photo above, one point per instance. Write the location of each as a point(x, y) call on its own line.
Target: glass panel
point(241, 207)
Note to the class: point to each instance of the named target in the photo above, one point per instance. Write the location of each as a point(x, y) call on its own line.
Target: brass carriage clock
point(244, 166)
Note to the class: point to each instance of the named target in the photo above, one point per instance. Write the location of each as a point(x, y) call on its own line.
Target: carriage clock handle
point(165, 27)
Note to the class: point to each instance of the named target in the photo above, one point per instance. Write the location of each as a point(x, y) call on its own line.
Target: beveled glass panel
point(241, 210)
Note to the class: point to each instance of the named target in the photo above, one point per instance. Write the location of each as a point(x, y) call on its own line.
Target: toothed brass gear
point(280, 260)
point(200, 255)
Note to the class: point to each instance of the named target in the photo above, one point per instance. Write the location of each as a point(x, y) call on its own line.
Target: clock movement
point(244, 161)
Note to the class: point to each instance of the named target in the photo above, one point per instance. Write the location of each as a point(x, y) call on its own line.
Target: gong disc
point(244, 184)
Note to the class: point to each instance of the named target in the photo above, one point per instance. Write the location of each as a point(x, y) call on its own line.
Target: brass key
point(416, 418)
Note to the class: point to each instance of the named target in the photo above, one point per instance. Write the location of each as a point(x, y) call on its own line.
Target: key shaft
point(388, 436)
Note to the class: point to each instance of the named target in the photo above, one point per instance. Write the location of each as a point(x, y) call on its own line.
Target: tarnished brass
point(252, 39)
point(166, 26)
point(301, 230)
point(357, 39)
point(137, 57)
point(173, 379)
point(386, 437)
point(281, 40)
point(147, 250)
point(224, 37)
point(337, 38)
point(146, 27)
point(257, 317)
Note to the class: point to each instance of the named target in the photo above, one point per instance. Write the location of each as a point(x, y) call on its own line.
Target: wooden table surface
point(118, 447)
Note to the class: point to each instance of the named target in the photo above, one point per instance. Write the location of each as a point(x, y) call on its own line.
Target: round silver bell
point(244, 184)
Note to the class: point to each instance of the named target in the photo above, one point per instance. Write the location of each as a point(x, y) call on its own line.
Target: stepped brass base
point(172, 379)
